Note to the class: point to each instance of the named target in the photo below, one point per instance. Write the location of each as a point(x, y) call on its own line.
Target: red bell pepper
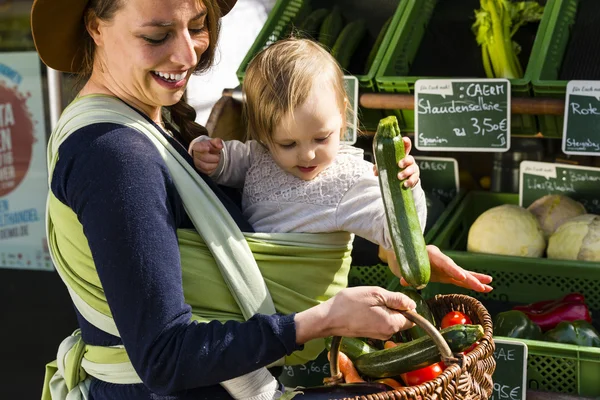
point(542, 306)
point(549, 318)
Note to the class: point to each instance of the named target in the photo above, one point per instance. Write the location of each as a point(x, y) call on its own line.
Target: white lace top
point(344, 197)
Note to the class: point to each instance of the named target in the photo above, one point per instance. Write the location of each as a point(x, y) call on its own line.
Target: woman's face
point(147, 53)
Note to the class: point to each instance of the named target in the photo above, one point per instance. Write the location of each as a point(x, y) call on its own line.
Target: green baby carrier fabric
point(227, 275)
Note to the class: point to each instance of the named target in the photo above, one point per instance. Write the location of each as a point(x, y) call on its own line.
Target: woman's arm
point(122, 193)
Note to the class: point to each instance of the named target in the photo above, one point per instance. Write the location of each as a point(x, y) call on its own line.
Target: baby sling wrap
point(285, 272)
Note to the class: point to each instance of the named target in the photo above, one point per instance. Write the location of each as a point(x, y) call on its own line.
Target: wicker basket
point(468, 377)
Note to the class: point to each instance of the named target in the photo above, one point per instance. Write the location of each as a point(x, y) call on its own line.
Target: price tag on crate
point(351, 84)
point(581, 131)
point(462, 115)
point(510, 376)
point(537, 179)
point(439, 176)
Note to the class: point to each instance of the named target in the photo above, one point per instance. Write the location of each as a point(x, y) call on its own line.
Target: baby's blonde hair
point(280, 78)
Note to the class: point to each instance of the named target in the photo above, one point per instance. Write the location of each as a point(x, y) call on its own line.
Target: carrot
point(390, 382)
point(347, 368)
point(389, 344)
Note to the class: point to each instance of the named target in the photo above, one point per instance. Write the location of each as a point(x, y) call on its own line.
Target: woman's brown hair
point(180, 116)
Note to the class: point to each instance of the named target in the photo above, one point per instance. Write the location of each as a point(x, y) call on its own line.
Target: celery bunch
point(495, 24)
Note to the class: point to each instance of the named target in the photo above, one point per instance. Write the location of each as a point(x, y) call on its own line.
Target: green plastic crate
point(285, 12)
point(545, 76)
point(393, 77)
point(380, 275)
point(517, 280)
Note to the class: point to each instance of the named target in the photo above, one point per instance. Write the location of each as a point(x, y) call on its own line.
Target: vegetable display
point(516, 324)
point(563, 320)
point(555, 226)
point(580, 333)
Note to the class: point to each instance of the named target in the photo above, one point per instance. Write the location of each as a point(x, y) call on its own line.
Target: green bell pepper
point(516, 324)
point(580, 333)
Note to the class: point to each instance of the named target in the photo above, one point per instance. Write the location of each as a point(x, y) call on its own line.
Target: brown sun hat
point(57, 29)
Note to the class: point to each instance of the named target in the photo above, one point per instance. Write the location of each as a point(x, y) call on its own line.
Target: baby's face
point(306, 142)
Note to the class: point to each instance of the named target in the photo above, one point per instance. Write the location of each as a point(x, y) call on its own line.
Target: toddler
point(295, 174)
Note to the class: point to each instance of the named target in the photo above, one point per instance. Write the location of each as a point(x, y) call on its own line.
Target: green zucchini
point(311, 24)
point(331, 27)
point(377, 44)
point(403, 221)
point(291, 29)
point(416, 354)
point(422, 309)
point(352, 347)
point(348, 41)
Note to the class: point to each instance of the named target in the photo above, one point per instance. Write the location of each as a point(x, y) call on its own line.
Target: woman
point(159, 306)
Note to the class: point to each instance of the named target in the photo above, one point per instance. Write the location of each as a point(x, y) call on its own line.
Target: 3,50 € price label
point(462, 114)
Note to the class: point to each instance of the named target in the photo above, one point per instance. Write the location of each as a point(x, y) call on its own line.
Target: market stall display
point(522, 281)
point(434, 30)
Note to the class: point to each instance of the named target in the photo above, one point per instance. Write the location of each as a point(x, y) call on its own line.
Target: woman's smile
point(172, 81)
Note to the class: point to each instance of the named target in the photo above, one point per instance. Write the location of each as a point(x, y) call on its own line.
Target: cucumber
point(416, 354)
point(291, 28)
point(422, 309)
point(403, 221)
point(377, 44)
point(311, 24)
point(352, 347)
point(348, 41)
point(331, 27)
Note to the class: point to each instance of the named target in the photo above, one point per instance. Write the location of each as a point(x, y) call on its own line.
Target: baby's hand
point(206, 154)
point(411, 169)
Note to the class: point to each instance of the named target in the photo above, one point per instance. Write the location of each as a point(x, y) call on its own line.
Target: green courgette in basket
point(352, 347)
point(403, 221)
point(422, 309)
point(416, 354)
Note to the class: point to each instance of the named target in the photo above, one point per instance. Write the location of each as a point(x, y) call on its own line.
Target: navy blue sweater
point(114, 179)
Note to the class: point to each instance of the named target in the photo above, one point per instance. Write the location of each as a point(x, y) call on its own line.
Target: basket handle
point(447, 356)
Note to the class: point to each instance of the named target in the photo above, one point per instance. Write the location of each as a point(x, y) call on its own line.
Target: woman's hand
point(410, 169)
point(364, 311)
point(445, 270)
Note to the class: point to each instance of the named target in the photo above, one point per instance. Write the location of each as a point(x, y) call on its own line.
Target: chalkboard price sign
point(351, 86)
point(538, 179)
point(510, 376)
point(462, 114)
point(581, 131)
point(306, 375)
point(439, 176)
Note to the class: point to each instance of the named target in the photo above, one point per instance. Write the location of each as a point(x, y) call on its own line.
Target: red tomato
point(455, 318)
point(470, 349)
point(425, 374)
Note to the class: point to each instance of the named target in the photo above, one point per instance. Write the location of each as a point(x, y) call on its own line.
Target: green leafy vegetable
point(495, 25)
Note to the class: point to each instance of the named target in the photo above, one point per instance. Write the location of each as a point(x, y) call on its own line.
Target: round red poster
point(16, 139)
